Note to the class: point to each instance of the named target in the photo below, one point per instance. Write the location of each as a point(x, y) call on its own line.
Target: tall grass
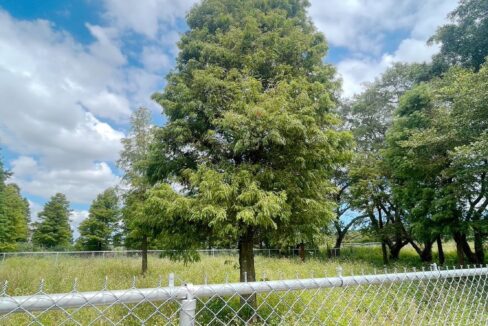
point(352, 305)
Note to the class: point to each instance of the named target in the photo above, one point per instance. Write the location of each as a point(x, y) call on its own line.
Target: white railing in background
point(209, 252)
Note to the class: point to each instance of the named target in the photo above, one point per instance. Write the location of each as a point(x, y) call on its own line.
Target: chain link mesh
point(454, 297)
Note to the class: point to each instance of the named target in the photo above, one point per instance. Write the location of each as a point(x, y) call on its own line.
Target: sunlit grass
point(25, 273)
point(357, 305)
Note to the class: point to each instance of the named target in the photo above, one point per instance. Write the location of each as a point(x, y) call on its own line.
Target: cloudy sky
point(72, 71)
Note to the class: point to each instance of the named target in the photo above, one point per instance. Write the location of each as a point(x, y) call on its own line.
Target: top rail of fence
point(43, 301)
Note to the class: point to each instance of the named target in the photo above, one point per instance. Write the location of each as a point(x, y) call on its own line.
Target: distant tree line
point(102, 230)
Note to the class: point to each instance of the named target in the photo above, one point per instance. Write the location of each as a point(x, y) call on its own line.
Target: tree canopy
point(53, 229)
point(14, 213)
point(99, 230)
point(463, 41)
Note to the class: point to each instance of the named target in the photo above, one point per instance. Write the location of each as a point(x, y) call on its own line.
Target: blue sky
point(72, 71)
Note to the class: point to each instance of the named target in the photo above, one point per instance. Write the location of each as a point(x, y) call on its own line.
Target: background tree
point(53, 229)
point(17, 210)
point(97, 232)
point(437, 152)
point(251, 137)
point(14, 213)
point(463, 42)
point(6, 225)
point(369, 115)
point(133, 161)
point(345, 216)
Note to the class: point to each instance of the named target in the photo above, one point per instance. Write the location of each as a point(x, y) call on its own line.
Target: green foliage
point(463, 41)
point(437, 152)
point(101, 227)
point(369, 116)
point(133, 161)
point(251, 139)
point(14, 214)
point(53, 229)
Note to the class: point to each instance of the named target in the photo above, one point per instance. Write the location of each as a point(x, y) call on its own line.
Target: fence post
point(188, 308)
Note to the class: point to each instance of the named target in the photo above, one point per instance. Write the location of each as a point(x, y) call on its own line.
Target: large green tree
point(463, 41)
point(53, 229)
point(98, 231)
point(251, 137)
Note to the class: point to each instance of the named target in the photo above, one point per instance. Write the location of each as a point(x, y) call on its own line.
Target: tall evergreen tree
point(17, 211)
point(133, 161)
point(251, 140)
point(6, 225)
point(53, 229)
point(97, 232)
point(14, 213)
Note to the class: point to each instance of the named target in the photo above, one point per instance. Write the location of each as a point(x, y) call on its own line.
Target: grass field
point(355, 305)
point(25, 273)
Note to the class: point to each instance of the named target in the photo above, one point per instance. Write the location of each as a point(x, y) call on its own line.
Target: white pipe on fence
point(43, 302)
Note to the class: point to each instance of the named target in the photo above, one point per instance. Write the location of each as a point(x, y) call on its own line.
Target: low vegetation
point(58, 275)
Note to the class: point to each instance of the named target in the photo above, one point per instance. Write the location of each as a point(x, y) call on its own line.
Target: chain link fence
point(290, 252)
point(434, 297)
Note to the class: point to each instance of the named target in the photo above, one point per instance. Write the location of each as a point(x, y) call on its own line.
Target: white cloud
point(363, 27)
point(155, 58)
point(356, 72)
point(361, 24)
point(75, 220)
point(413, 50)
point(108, 105)
point(105, 47)
point(54, 93)
point(147, 17)
point(79, 185)
point(35, 209)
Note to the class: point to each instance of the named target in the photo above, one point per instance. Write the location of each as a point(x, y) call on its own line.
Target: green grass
point(358, 305)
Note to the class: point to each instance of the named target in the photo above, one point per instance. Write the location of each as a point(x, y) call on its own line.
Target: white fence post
point(188, 308)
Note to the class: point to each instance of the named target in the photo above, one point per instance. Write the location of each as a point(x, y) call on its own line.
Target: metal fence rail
point(435, 297)
point(208, 252)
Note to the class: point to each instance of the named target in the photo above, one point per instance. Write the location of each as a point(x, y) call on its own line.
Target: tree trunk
point(460, 238)
point(144, 254)
point(301, 251)
point(440, 250)
point(338, 243)
point(426, 254)
point(478, 247)
point(459, 249)
point(247, 273)
point(395, 251)
point(385, 252)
